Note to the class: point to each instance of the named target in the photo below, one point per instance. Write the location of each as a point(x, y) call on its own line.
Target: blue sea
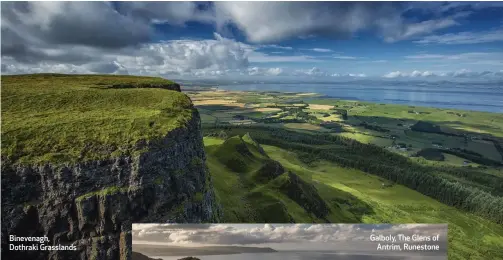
point(305, 256)
point(477, 96)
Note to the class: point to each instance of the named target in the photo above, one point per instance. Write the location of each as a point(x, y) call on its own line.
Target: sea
point(304, 256)
point(465, 95)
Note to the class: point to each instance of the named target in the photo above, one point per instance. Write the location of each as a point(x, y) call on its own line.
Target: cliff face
point(92, 205)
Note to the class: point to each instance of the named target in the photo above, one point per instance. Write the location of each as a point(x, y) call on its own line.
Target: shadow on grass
point(217, 107)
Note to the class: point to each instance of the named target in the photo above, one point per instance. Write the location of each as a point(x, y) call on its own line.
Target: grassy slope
point(245, 199)
point(470, 237)
point(56, 118)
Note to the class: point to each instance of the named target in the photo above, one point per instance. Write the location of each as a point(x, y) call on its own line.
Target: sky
point(434, 40)
point(282, 236)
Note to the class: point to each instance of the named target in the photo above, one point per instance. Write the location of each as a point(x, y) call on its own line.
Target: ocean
point(303, 256)
point(477, 96)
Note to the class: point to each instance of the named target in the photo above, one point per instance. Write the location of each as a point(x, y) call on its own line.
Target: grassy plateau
point(63, 118)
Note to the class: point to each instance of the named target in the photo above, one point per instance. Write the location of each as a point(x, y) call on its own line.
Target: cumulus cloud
point(464, 73)
point(274, 21)
point(396, 74)
point(117, 37)
point(466, 58)
point(113, 67)
point(69, 23)
point(178, 56)
point(176, 12)
point(317, 72)
point(256, 71)
point(314, 71)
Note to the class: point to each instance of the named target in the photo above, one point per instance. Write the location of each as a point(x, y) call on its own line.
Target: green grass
point(470, 236)
point(248, 193)
point(62, 118)
point(352, 196)
point(472, 121)
point(102, 192)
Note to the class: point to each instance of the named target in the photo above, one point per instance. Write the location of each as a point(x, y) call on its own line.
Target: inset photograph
point(288, 241)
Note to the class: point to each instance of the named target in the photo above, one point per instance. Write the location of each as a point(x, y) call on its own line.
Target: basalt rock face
point(92, 205)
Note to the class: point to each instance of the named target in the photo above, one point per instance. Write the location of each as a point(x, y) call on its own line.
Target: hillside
point(346, 176)
point(252, 187)
point(84, 156)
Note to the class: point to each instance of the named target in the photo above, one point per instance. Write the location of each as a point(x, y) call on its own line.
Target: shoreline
point(306, 96)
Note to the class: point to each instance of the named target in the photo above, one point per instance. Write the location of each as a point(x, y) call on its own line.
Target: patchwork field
point(473, 138)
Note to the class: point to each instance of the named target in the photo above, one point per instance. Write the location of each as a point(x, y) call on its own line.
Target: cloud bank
point(456, 74)
point(264, 234)
point(123, 37)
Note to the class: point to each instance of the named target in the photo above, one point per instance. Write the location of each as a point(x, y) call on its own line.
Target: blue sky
point(244, 39)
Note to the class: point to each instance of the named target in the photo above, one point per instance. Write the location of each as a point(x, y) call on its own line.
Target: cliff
point(84, 196)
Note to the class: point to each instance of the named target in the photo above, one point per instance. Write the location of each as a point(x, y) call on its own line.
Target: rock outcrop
point(92, 205)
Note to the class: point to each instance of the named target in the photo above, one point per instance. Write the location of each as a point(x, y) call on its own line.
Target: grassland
point(468, 142)
point(251, 192)
point(352, 196)
point(61, 118)
point(470, 237)
point(385, 125)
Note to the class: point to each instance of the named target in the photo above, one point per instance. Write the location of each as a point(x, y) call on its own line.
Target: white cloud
point(274, 71)
point(439, 8)
point(274, 46)
point(178, 56)
point(274, 21)
point(464, 73)
point(343, 57)
point(407, 31)
point(99, 37)
point(314, 71)
point(256, 71)
point(464, 37)
point(472, 74)
point(359, 75)
point(394, 74)
point(72, 23)
point(260, 57)
point(467, 58)
point(321, 50)
point(174, 12)
point(426, 56)
point(413, 74)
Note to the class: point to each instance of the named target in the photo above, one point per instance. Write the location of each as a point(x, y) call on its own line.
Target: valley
point(282, 158)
